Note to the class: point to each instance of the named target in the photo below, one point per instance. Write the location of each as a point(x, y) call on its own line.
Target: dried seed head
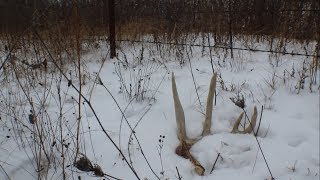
point(83, 164)
point(239, 101)
point(98, 171)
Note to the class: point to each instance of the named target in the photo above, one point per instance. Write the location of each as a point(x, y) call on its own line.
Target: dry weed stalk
point(315, 63)
point(84, 164)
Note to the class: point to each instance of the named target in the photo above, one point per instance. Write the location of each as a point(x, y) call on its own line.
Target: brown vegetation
point(292, 19)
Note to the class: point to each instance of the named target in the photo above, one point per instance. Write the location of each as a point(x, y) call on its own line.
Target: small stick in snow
point(256, 134)
point(179, 177)
point(214, 164)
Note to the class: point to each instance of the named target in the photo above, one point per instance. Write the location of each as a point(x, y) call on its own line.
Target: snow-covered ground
point(141, 85)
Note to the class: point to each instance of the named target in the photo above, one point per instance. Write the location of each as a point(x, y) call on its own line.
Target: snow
point(289, 130)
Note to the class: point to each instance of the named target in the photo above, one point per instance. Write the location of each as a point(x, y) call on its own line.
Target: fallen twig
point(214, 164)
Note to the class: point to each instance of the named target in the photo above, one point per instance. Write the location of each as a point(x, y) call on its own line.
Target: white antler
point(180, 119)
point(251, 126)
point(186, 143)
point(209, 107)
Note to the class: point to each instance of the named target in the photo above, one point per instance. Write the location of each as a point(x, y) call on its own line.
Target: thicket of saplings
point(289, 19)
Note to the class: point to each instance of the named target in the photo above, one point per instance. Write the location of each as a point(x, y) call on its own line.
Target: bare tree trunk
point(112, 28)
point(230, 29)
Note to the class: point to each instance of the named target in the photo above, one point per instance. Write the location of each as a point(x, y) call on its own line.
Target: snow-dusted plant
point(137, 83)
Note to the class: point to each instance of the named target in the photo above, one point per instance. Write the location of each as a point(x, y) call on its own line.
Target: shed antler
point(185, 145)
point(252, 123)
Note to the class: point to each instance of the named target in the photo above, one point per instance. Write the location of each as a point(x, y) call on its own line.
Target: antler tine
point(253, 121)
point(208, 116)
point(180, 118)
point(235, 128)
point(251, 126)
